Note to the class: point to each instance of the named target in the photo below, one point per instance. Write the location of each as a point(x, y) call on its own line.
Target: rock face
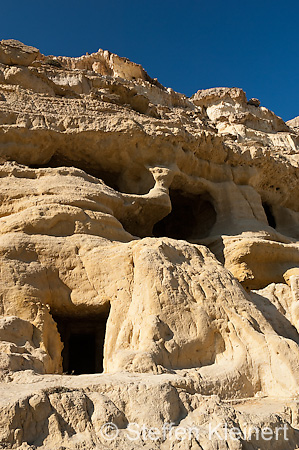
point(151, 236)
point(13, 52)
point(294, 123)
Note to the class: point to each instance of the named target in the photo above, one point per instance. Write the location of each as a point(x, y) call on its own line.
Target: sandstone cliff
point(158, 232)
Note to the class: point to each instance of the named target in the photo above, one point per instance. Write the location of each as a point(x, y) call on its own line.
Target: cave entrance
point(83, 339)
point(192, 217)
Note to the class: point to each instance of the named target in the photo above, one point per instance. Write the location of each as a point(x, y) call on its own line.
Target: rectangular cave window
point(83, 339)
point(192, 216)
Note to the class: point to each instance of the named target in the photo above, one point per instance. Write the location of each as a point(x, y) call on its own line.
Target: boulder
point(13, 52)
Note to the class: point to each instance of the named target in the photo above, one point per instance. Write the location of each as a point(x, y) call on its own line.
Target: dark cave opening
point(192, 217)
point(269, 214)
point(83, 339)
point(82, 354)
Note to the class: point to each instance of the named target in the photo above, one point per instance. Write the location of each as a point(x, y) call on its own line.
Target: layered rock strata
point(160, 231)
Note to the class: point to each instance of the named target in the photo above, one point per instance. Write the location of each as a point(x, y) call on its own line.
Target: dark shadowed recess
point(269, 214)
point(192, 217)
point(131, 184)
point(83, 340)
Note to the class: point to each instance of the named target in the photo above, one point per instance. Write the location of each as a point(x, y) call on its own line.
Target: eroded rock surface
point(151, 236)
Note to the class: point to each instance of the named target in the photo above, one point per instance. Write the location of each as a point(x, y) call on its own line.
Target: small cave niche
point(139, 182)
point(83, 342)
point(110, 178)
point(192, 217)
point(269, 214)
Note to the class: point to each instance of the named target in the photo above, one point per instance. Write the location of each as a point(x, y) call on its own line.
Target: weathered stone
point(254, 102)
point(13, 52)
point(294, 123)
point(153, 237)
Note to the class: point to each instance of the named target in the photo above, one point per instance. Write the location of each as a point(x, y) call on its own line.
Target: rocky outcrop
point(13, 52)
point(151, 236)
point(294, 123)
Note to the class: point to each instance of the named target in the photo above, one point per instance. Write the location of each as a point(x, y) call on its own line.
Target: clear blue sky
point(188, 45)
